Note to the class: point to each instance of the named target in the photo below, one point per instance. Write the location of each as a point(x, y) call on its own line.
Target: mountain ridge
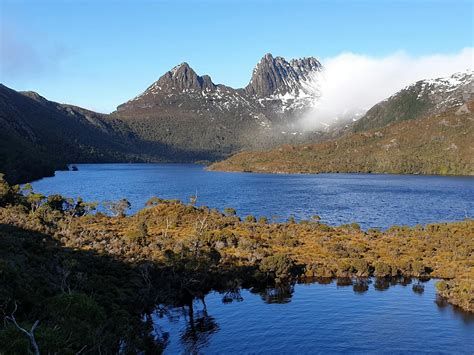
point(219, 119)
point(186, 117)
point(440, 144)
point(421, 99)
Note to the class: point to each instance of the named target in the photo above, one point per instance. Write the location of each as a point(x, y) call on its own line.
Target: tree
point(9, 195)
point(57, 203)
point(82, 208)
point(193, 199)
point(30, 334)
point(35, 200)
point(117, 208)
point(229, 211)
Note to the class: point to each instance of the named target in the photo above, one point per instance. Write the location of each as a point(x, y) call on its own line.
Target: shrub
point(56, 203)
point(417, 268)
point(250, 219)
point(382, 269)
point(154, 201)
point(361, 267)
point(139, 234)
point(279, 265)
point(229, 211)
point(441, 286)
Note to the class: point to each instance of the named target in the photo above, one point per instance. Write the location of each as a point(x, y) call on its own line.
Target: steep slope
point(39, 136)
point(440, 144)
point(421, 99)
point(285, 85)
point(183, 109)
point(184, 117)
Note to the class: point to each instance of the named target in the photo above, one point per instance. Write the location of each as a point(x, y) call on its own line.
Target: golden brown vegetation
point(442, 144)
point(98, 274)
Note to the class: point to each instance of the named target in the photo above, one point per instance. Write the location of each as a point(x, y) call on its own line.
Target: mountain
point(421, 99)
point(210, 121)
point(185, 117)
point(290, 84)
point(39, 136)
point(182, 117)
point(438, 144)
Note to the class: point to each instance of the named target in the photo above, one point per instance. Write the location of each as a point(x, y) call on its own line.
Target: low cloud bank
point(352, 83)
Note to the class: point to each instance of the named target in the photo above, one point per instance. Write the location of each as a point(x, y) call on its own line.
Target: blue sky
point(98, 54)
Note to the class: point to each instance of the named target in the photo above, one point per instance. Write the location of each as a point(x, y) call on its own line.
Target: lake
point(320, 318)
point(372, 200)
point(325, 317)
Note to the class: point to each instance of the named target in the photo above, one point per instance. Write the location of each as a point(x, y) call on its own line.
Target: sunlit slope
point(440, 144)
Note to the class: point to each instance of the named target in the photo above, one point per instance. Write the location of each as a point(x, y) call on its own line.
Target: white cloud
point(354, 83)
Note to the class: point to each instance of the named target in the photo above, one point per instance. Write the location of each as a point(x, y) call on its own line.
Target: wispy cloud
point(21, 58)
point(354, 83)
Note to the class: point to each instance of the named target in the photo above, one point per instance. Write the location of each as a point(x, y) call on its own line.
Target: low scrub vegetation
point(72, 281)
point(438, 145)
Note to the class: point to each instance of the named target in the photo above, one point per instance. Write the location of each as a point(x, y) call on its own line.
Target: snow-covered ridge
point(457, 83)
point(446, 84)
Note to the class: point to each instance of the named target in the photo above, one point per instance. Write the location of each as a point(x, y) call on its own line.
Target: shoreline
point(116, 269)
point(313, 248)
point(290, 172)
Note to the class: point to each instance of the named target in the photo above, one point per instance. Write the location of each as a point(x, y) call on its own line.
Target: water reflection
point(280, 293)
point(193, 326)
point(445, 306)
point(418, 288)
point(361, 285)
point(199, 328)
point(232, 295)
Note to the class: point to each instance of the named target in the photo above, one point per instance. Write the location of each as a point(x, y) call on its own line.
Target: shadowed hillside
point(38, 136)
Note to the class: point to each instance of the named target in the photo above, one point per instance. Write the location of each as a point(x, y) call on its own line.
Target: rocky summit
point(186, 117)
point(184, 109)
point(277, 79)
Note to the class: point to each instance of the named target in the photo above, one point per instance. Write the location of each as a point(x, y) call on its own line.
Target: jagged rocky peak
point(276, 76)
point(181, 78)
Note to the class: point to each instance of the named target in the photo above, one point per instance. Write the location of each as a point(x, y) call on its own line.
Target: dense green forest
point(73, 280)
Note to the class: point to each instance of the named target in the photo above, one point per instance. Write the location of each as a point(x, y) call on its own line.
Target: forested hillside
point(441, 144)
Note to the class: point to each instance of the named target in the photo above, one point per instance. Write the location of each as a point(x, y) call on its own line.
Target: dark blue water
point(311, 318)
point(368, 199)
point(322, 319)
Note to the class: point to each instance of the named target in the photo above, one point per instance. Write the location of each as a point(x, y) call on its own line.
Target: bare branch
point(30, 334)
